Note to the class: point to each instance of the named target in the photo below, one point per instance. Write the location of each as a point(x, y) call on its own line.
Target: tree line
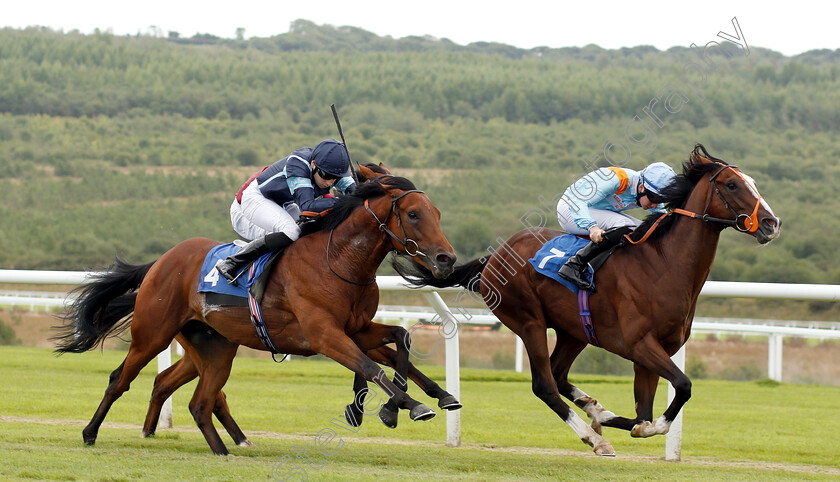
point(130, 144)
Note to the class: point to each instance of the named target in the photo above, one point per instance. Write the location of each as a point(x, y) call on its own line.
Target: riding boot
point(230, 268)
point(574, 271)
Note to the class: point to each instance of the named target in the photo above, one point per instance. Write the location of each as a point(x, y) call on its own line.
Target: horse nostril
point(445, 260)
point(773, 223)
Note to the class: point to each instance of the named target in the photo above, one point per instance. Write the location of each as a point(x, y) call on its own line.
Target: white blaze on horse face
point(754, 189)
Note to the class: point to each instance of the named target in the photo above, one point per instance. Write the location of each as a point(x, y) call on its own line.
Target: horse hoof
point(449, 402)
point(246, 443)
point(641, 430)
point(421, 412)
point(353, 415)
point(604, 450)
point(388, 417)
point(148, 434)
point(89, 438)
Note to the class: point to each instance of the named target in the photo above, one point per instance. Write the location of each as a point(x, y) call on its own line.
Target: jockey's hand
point(596, 234)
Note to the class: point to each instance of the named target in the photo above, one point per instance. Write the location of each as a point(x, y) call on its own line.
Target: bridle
point(751, 218)
point(745, 223)
point(405, 241)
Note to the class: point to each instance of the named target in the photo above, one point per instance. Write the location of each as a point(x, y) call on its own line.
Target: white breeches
point(257, 216)
point(606, 219)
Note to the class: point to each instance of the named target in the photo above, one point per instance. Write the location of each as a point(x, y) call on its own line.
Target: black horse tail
point(467, 275)
point(102, 308)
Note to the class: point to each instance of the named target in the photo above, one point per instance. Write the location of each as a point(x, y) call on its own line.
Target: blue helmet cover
point(331, 156)
point(657, 176)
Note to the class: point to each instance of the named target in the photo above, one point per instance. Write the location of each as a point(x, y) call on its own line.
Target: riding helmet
point(331, 157)
point(656, 177)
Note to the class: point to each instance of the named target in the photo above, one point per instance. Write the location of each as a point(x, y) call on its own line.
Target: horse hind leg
point(565, 352)
point(166, 383)
point(182, 372)
point(545, 388)
point(139, 355)
point(222, 413)
point(213, 356)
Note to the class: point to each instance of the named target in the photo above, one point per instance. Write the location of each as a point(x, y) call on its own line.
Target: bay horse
point(645, 302)
point(320, 299)
point(196, 339)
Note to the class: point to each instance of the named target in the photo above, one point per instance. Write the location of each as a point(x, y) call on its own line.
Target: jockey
point(266, 208)
point(593, 205)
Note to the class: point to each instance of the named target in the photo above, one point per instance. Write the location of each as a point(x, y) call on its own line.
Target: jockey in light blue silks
point(593, 206)
point(266, 208)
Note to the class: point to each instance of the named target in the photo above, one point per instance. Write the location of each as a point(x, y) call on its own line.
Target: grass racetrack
point(731, 430)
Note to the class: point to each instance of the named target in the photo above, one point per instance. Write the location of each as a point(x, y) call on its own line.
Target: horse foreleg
point(377, 334)
point(335, 344)
point(387, 356)
point(542, 383)
point(653, 362)
point(354, 412)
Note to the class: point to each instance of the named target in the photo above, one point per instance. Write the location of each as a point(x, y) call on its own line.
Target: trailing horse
point(310, 306)
point(644, 306)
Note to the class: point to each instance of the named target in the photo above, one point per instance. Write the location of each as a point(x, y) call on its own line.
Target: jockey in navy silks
point(593, 206)
point(266, 208)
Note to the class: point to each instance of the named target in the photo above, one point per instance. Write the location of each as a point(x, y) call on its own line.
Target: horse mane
point(347, 203)
point(676, 194)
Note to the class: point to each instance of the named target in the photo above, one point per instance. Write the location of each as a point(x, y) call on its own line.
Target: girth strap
point(586, 317)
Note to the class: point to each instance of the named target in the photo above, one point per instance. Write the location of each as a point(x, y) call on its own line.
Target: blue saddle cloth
point(554, 254)
point(210, 281)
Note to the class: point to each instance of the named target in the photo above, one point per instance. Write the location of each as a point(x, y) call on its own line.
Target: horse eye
point(731, 185)
point(412, 215)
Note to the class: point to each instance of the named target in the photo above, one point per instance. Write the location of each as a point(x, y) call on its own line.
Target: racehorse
point(319, 299)
point(194, 340)
point(645, 302)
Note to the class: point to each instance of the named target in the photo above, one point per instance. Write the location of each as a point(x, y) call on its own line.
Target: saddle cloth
point(554, 254)
point(210, 281)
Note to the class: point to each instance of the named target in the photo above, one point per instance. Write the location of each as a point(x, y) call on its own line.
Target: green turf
point(731, 430)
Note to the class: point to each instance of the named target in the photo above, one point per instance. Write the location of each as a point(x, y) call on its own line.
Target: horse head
point(734, 199)
point(413, 225)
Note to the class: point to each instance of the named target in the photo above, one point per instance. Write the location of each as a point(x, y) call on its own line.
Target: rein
point(747, 228)
point(404, 242)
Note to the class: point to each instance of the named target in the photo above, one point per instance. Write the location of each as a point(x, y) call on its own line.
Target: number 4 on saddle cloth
point(248, 291)
point(554, 254)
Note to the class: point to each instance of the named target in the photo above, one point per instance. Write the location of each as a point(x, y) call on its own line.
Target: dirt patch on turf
point(380, 441)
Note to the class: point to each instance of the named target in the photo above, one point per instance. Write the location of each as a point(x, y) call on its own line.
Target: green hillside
point(129, 145)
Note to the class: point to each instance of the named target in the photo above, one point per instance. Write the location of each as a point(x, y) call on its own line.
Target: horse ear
point(387, 171)
point(697, 158)
point(367, 173)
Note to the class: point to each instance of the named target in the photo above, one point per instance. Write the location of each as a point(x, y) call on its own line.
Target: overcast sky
point(787, 27)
